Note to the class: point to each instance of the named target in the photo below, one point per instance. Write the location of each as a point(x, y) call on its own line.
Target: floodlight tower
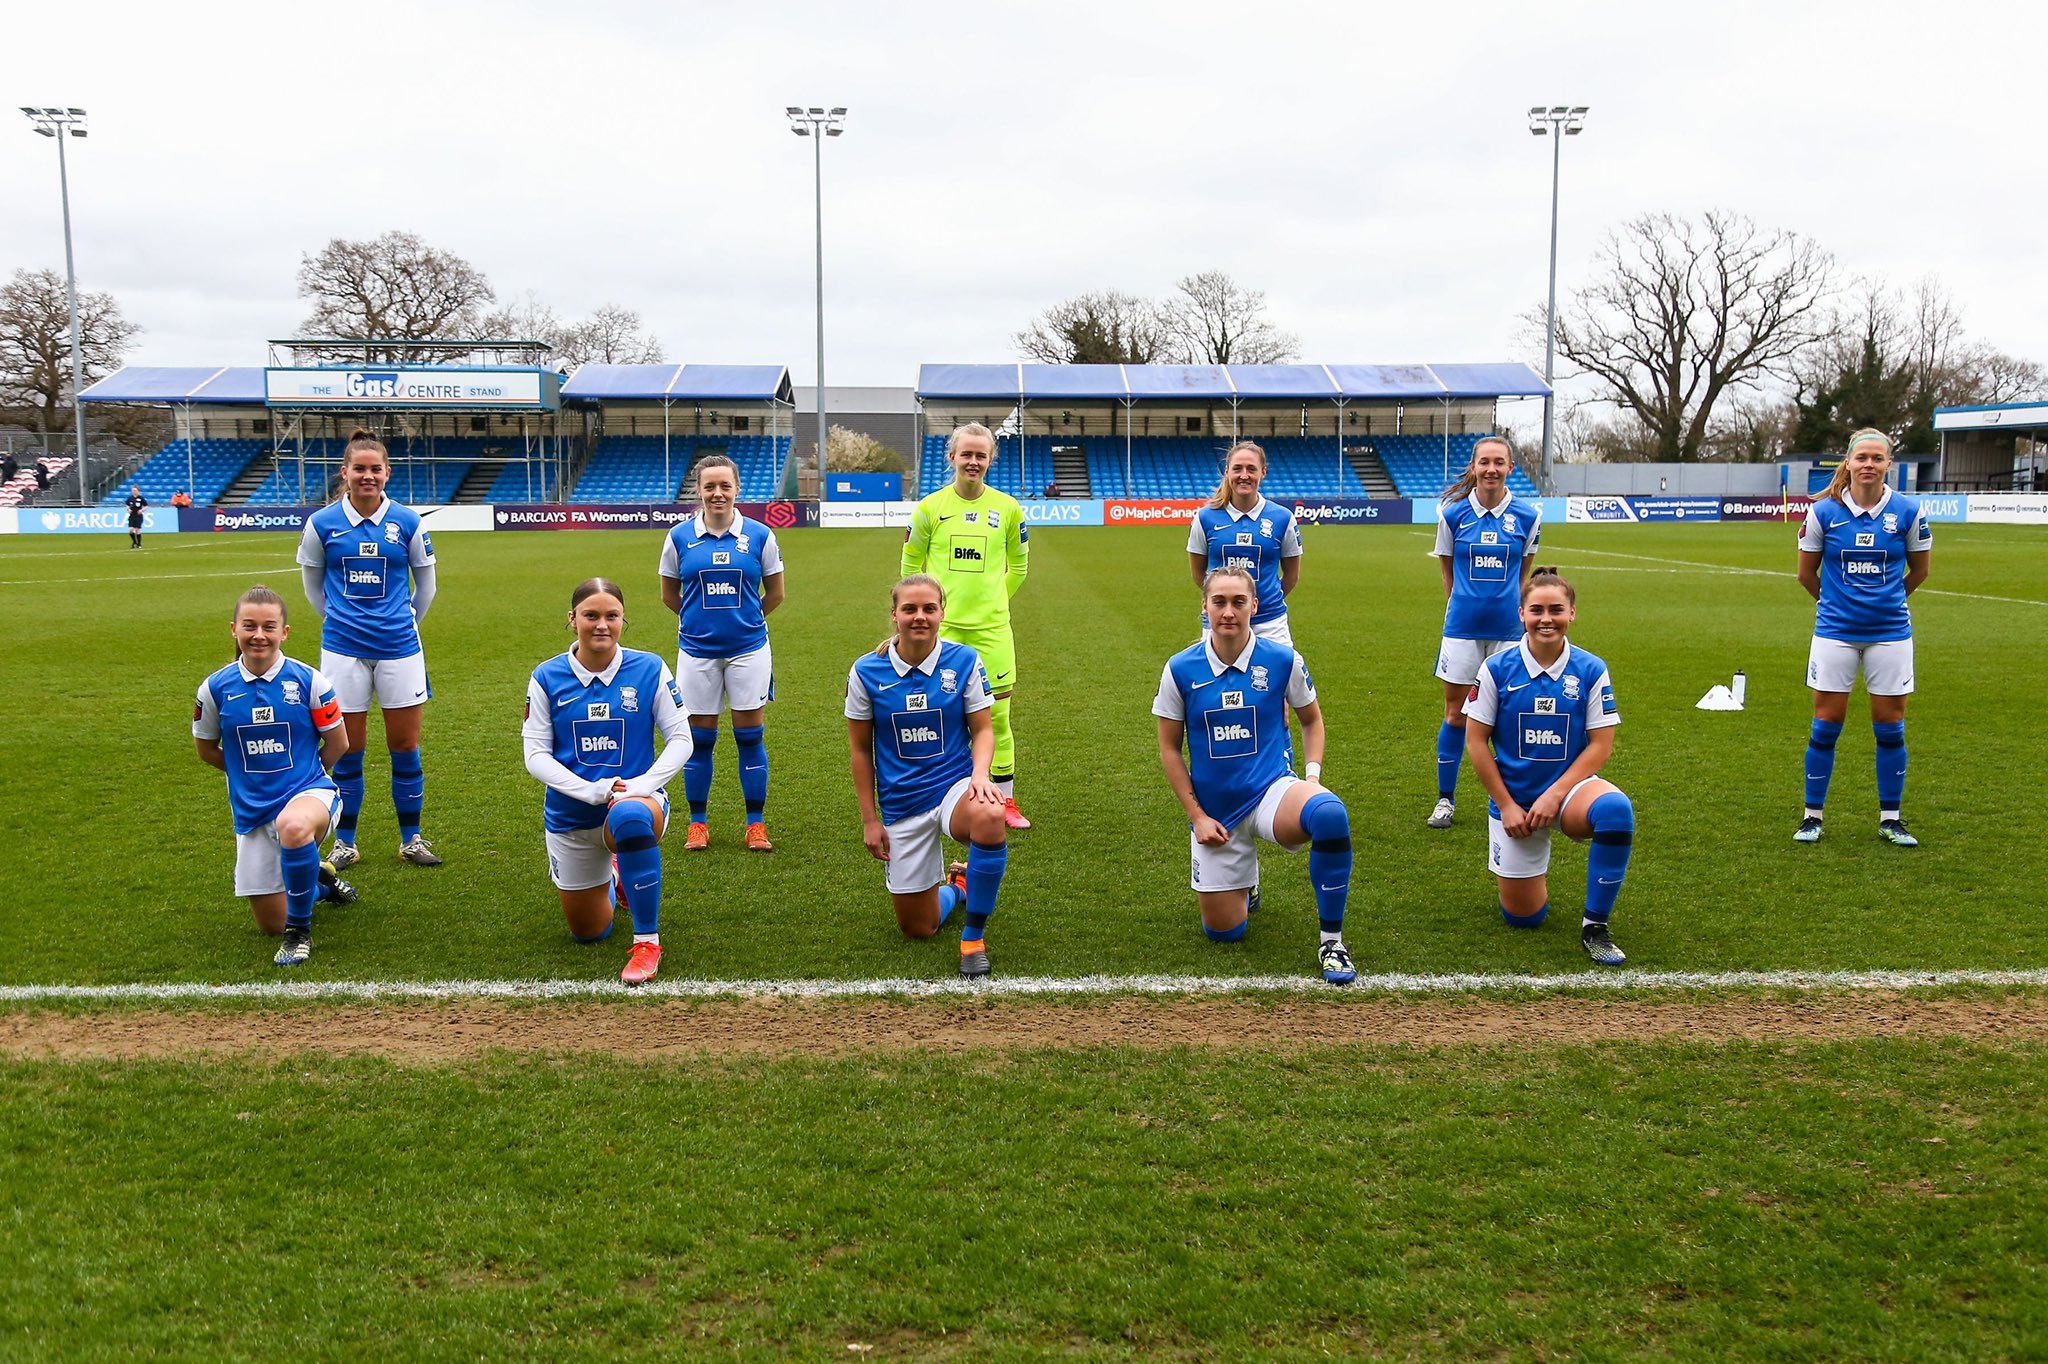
point(58, 123)
point(819, 124)
point(1559, 122)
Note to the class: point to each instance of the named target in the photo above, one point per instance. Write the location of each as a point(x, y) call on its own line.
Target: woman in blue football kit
point(722, 575)
point(1228, 698)
point(272, 724)
point(1539, 727)
point(368, 568)
point(591, 717)
point(1862, 552)
point(922, 739)
point(1241, 529)
point(1485, 536)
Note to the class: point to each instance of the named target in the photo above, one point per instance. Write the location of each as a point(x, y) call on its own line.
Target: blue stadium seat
point(634, 468)
point(214, 464)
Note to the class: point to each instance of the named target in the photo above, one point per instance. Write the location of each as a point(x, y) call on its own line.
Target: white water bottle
point(1741, 687)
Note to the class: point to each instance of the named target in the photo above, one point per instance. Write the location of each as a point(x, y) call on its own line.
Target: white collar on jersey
point(275, 669)
point(928, 667)
point(1507, 499)
point(1218, 667)
point(356, 518)
point(1556, 670)
point(1855, 509)
point(1237, 515)
point(584, 675)
point(702, 530)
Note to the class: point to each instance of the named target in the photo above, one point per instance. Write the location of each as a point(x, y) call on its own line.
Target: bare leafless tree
point(524, 318)
point(1104, 327)
point(613, 335)
point(393, 288)
point(35, 344)
point(1684, 314)
point(1213, 320)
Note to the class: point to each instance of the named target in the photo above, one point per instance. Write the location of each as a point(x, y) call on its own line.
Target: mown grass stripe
point(1393, 983)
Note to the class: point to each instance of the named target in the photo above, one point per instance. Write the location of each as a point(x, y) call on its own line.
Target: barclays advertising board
point(1944, 506)
point(93, 520)
point(1063, 512)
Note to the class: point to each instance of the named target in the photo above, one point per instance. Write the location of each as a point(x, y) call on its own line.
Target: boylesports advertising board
point(1350, 511)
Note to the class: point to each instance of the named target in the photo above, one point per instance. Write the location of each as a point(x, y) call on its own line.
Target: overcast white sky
point(1366, 165)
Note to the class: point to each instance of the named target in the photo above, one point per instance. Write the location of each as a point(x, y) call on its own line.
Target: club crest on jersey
point(1508, 522)
point(1232, 700)
point(262, 715)
point(1266, 526)
point(1891, 524)
point(1571, 686)
point(1544, 705)
point(1866, 540)
point(629, 698)
point(392, 535)
point(916, 700)
point(721, 557)
point(1259, 677)
point(995, 520)
point(949, 681)
point(292, 696)
point(742, 542)
point(600, 710)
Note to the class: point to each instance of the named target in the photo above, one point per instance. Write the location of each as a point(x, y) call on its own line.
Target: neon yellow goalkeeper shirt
point(979, 550)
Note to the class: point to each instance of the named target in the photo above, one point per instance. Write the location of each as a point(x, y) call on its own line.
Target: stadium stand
point(213, 465)
point(634, 469)
point(23, 485)
point(1417, 463)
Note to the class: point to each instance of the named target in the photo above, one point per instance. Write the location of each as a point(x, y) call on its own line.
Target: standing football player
point(273, 726)
point(974, 541)
point(591, 717)
point(1862, 552)
point(721, 573)
point(1539, 727)
point(1241, 529)
point(1228, 698)
point(368, 568)
point(918, 725)
point(1485, 536)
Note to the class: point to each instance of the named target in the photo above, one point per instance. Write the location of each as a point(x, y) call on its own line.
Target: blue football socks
point(1328, 826)
point(986, 863)
point(301, 883)
point(1820, 763)
point(753, 769)
point(1450, 751)
point(697, 772)
point(1891, 766)
point(348, 775)
point(1614, 830)
point(632, 829)
point(408, 791)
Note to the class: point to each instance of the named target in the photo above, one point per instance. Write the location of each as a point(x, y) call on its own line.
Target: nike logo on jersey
point(564, 702)
point(1199, 685)
point(694, 543)
point(236, 695)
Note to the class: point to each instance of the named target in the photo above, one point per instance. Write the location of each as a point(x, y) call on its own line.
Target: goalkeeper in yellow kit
point(974, 541)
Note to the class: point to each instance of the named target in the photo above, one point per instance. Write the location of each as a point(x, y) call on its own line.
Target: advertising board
point(1349, 511)
point(639, 515)
point(93, 520)
point(1150, 511)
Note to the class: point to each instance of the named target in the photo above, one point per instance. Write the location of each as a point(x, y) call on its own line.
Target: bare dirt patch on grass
point(435, 1031)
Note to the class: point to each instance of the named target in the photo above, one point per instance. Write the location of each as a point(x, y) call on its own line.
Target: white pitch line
point(1780, 573)
point(140, 577)
point(1022, 986)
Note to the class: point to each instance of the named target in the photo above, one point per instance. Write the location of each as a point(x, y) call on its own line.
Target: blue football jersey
point(1863, 565)
point(269, 730)
point(921, 745)
point(1256, 540)
point(1487, 550)
point(601, 726)
point(720, 578)
point(1235, 715)
point(368, 562)
point(1541, 717)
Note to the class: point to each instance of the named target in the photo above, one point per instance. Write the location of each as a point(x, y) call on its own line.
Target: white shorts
point(1518, 859)
point(1887, 667)
point(259, 867)
point(709, 685)
point(917, 861)
point(1458, 660)
point(1276, 630)
point(396, 682)
point(1235, 865)
point(578, 860)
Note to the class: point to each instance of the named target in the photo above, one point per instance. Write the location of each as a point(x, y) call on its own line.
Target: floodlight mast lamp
point(819, 124)
point(58, 124)
point(1559, 121)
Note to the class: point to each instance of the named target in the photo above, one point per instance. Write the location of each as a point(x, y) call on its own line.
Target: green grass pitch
point(1615, 1198)
point(118, 851)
